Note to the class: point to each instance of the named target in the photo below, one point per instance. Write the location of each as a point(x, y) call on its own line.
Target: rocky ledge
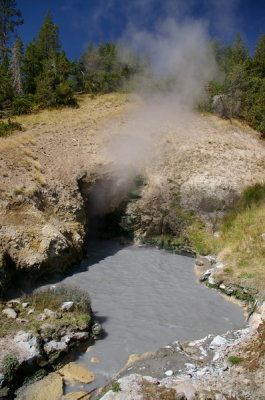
point(35, 338)
point(214, 273)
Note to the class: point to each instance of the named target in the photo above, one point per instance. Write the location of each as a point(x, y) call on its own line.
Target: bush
point(115, 386)
point(6, 128)
point(23, 105)
point(53, 298)
point(64, 94)
point(234, 360)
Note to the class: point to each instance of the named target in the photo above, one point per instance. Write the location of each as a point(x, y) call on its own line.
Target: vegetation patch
point(115, 386)
point(10, 365)
point(235, 360)
point(6, 128)
point(54, 297)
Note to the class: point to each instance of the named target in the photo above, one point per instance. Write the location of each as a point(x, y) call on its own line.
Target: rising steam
point(180, 64)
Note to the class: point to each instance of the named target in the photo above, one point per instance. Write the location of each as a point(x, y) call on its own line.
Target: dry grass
point(54, 297)
point(40, 179)
point(90, 109)
point(242, 246)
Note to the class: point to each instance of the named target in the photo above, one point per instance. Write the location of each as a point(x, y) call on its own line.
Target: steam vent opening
point(106, 200)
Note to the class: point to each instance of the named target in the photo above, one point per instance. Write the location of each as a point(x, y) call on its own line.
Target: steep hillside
point(199, 163)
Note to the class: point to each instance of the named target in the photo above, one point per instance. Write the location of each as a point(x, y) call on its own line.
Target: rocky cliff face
point(43, 215)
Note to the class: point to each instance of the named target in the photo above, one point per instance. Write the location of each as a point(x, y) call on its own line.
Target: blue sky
point(100, 20)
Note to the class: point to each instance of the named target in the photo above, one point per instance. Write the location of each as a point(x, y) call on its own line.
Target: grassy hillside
point(240, 243)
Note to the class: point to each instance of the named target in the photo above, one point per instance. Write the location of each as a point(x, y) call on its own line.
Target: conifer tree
point(63, 67)
point(48, 38)
point(10, 18)
point(31, 66)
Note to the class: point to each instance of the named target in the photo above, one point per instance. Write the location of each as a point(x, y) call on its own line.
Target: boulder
point(27, 344)
point(96, 329)
point(50, 387)
point(67, 306)
point(54, 346)
point(218, 341)
point(76, 372)
point(52, 314)
point(10, 313)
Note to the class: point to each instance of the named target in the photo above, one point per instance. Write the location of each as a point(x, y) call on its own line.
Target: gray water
point(145, 298)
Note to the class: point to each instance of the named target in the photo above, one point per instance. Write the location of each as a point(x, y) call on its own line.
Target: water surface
point(145, 298)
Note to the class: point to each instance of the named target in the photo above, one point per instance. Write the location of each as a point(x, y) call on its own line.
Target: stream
point(145, 298)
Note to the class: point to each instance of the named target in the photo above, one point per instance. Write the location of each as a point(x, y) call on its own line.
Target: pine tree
point(16, 61)
point(259, 57)
point(63, 67)
point(6, 90)
point(48, 38)
point(9, 20)
point(31, 66)
point(239, 51)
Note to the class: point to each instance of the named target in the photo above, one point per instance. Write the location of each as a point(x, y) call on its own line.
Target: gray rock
point(206, 274)
point(52, 314)
point(10, 313)
point(74, 335)
point(25, 305)
point(211, 258)
point(211, 280)
point(219, 266)
point(169, 372)
point(53, 346)
point(67, 306)
point(49, 313)
point(42, 317)
point(222, 286)
point(80, 335)
point(31, 311)
point(96, 329)
point(27, 343)
point(218, 341)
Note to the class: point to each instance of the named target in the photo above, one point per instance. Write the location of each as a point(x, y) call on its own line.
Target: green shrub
point(64, 94)
point(115, 386)
point(234, 360)
point(6, 128)
point(53, 297)
point(23, 105)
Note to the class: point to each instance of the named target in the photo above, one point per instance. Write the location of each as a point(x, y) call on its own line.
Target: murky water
point(144, 299)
